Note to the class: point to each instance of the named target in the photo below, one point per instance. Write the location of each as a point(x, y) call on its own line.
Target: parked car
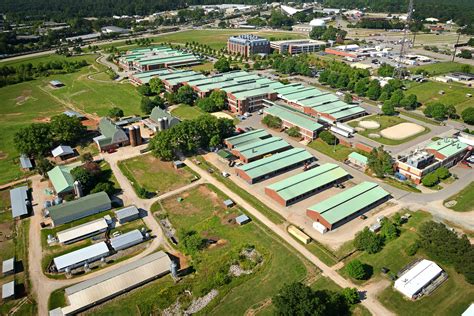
point(225, 174)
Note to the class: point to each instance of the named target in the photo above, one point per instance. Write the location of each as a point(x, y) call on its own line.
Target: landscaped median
point(150, 176)
point(462, 201)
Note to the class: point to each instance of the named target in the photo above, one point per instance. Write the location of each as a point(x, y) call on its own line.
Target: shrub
point(468, 115)
point(431, 179)
point(443, 173)
point(412, 249)
point(351, 295)
point(328, 138)
point(389, 231)
point(368, 241)
point(357, 270)
point(293, 131)
point(272, 121)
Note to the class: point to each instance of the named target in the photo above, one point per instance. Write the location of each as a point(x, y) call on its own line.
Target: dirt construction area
point(402, 131)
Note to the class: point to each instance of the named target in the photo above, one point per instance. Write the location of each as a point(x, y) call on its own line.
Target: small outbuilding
point(63, 152)
point(8, 266)
point(413, 281)
point(8, 290)
point(242, 219)
point(375, 227)
point(358, 160)
point(56, 84)
point(178, 164)
point(71, 113)
point(126, 240)
point(229, 203)
point(127, 214)
point(20, 201)
point(25, 162)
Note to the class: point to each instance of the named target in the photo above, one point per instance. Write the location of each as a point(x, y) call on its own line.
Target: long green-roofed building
point(265, 168)
point(260, 149)
point(305, 184)
point(345, 206)
point(246, 138)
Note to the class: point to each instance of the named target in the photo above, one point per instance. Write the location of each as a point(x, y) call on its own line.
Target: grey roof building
point(19, 201)
point(111, 135)
point(25, 162)
point(126, 240)
point(79, 257)
point(82, 207)
point(242, 219)
point(8, 266)
point(160, 120)
point(127, 214)
point(229, 203)
point(8, 290)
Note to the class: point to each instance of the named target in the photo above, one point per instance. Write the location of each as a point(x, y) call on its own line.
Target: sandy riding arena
point(369, 124)
point(402, 131)
point(222, 115)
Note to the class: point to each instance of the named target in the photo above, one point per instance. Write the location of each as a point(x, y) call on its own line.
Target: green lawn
point(155, 175)
point(386, 122)
point(208, 66)
point(35, 101)
point(455, 94)
point(464, 199)
point(186, 112)
point(440, 68)
point(202, 210)
point(338, 152)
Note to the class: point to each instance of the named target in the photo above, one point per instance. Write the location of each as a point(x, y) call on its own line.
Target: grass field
point(155, 175)
point(464, 199)
point(385, 122)
point(208, 66)
point(441, 68)
point(202, 211)
point(186, 112)
point(35, 101)
point(338, 152)
point(455, 94)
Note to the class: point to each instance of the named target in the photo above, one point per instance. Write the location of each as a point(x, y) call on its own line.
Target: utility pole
point(400, 69)
point(457, 41)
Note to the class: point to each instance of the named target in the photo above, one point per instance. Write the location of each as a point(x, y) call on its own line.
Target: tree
point(156, 85)
point(146, 105)
point(67, 130)
point(348, 98)
point(451, 111)
point(383, 96)
point(328, 138)
point(435, 110)
point(389, 231)
point(409, 102)
point(443, 173)
point(190, 241)
point(388, 108)
point(85, 177)
point(374, 90)
point(431, 179)
point(351, 295)
point(272, 121)
point(368, 241)
point(222, 65)
point(465, 54)
point(145, 90)
point(115, 113)
point(293, 131)
point(468, 115)
point(219, 97)
point(207, 105)
point(385, 70)
point(43, 165)
point(356, 270)
point(380, 162)
point(397, 97)
point(107, 187)
point(34, 140)
point(186, 95)
point(87, 157)
point(361, 87)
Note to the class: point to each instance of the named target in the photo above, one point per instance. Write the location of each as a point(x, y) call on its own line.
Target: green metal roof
point(151, 73)
point(360, 158)
point(290, 88)
point(264, 166)
point(308, 181)
point(301, 94)
point(319, 99)
point(349, 201)
point(180, 80)
point(293, 118)
point(61, 178)
point(79, 206)
point(262, 147)
point(447, 147)
point(248, 137)
point(165, 60)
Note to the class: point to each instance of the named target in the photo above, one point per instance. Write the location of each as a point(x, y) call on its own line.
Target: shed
point(358, 160)
point(62, 151)
point(178, 164)
point(417, 278)
point(19, 201)
point(8, 266)
point(71, 113)
point(8, 290)
point(375, 227)
point(229, 203)
point(25, 162)
point(126, 240)
point(242, 219)
point(56, 84)
point(77, 233)
point(79, 257)
point(127, 214)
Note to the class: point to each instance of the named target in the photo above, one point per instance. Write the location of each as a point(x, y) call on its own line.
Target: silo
point(166, 123)
point(138, 135)
point(131, 135)
point(160, 124)
point(78, 189)
point(174, 269)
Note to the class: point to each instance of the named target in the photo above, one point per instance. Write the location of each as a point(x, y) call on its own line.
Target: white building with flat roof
point(417, 278)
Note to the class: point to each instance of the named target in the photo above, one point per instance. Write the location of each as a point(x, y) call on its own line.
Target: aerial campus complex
point(237, 159)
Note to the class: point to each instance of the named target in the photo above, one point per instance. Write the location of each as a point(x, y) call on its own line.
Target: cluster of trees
point(299, 299)
point(358, 270)
point(222, 65)
point(328, 33)
point(433, 178)
point(378, 24)
point(444, 246)
point(439, 111)
point(468, 115)
point(187, 137)
point(190, 241)
point(380, 162)
point(272, 121)
point(371, 242)
point(292, 64)
point(37, 139)
point(213, 103)
point(328, 138)
point(27, 71)
point(92, 178)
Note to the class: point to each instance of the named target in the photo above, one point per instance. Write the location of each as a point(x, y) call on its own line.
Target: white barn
point(417, 278)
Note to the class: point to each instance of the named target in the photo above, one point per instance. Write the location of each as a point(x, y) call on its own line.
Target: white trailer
point(345, 127)
point(340, 131)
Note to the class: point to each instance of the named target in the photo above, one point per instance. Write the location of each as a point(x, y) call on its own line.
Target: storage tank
point(160, 124)
point(166, 123)
point(131, 135)
point(78, 189)
point(138, 135)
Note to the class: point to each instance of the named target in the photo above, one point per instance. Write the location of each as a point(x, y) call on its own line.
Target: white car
point(225, 174)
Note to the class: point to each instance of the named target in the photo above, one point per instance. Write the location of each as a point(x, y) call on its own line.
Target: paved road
point(371, 302)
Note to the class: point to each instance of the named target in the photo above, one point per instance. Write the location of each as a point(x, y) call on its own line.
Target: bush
point(368, 241)
point(328, 138)
point(443, 173)
point(389, 231)
point(272, 121)
point(293, 131)
point(468, 115)
point(351, 295)
point(357, 270)
point(412, 249)
point(430, 180)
